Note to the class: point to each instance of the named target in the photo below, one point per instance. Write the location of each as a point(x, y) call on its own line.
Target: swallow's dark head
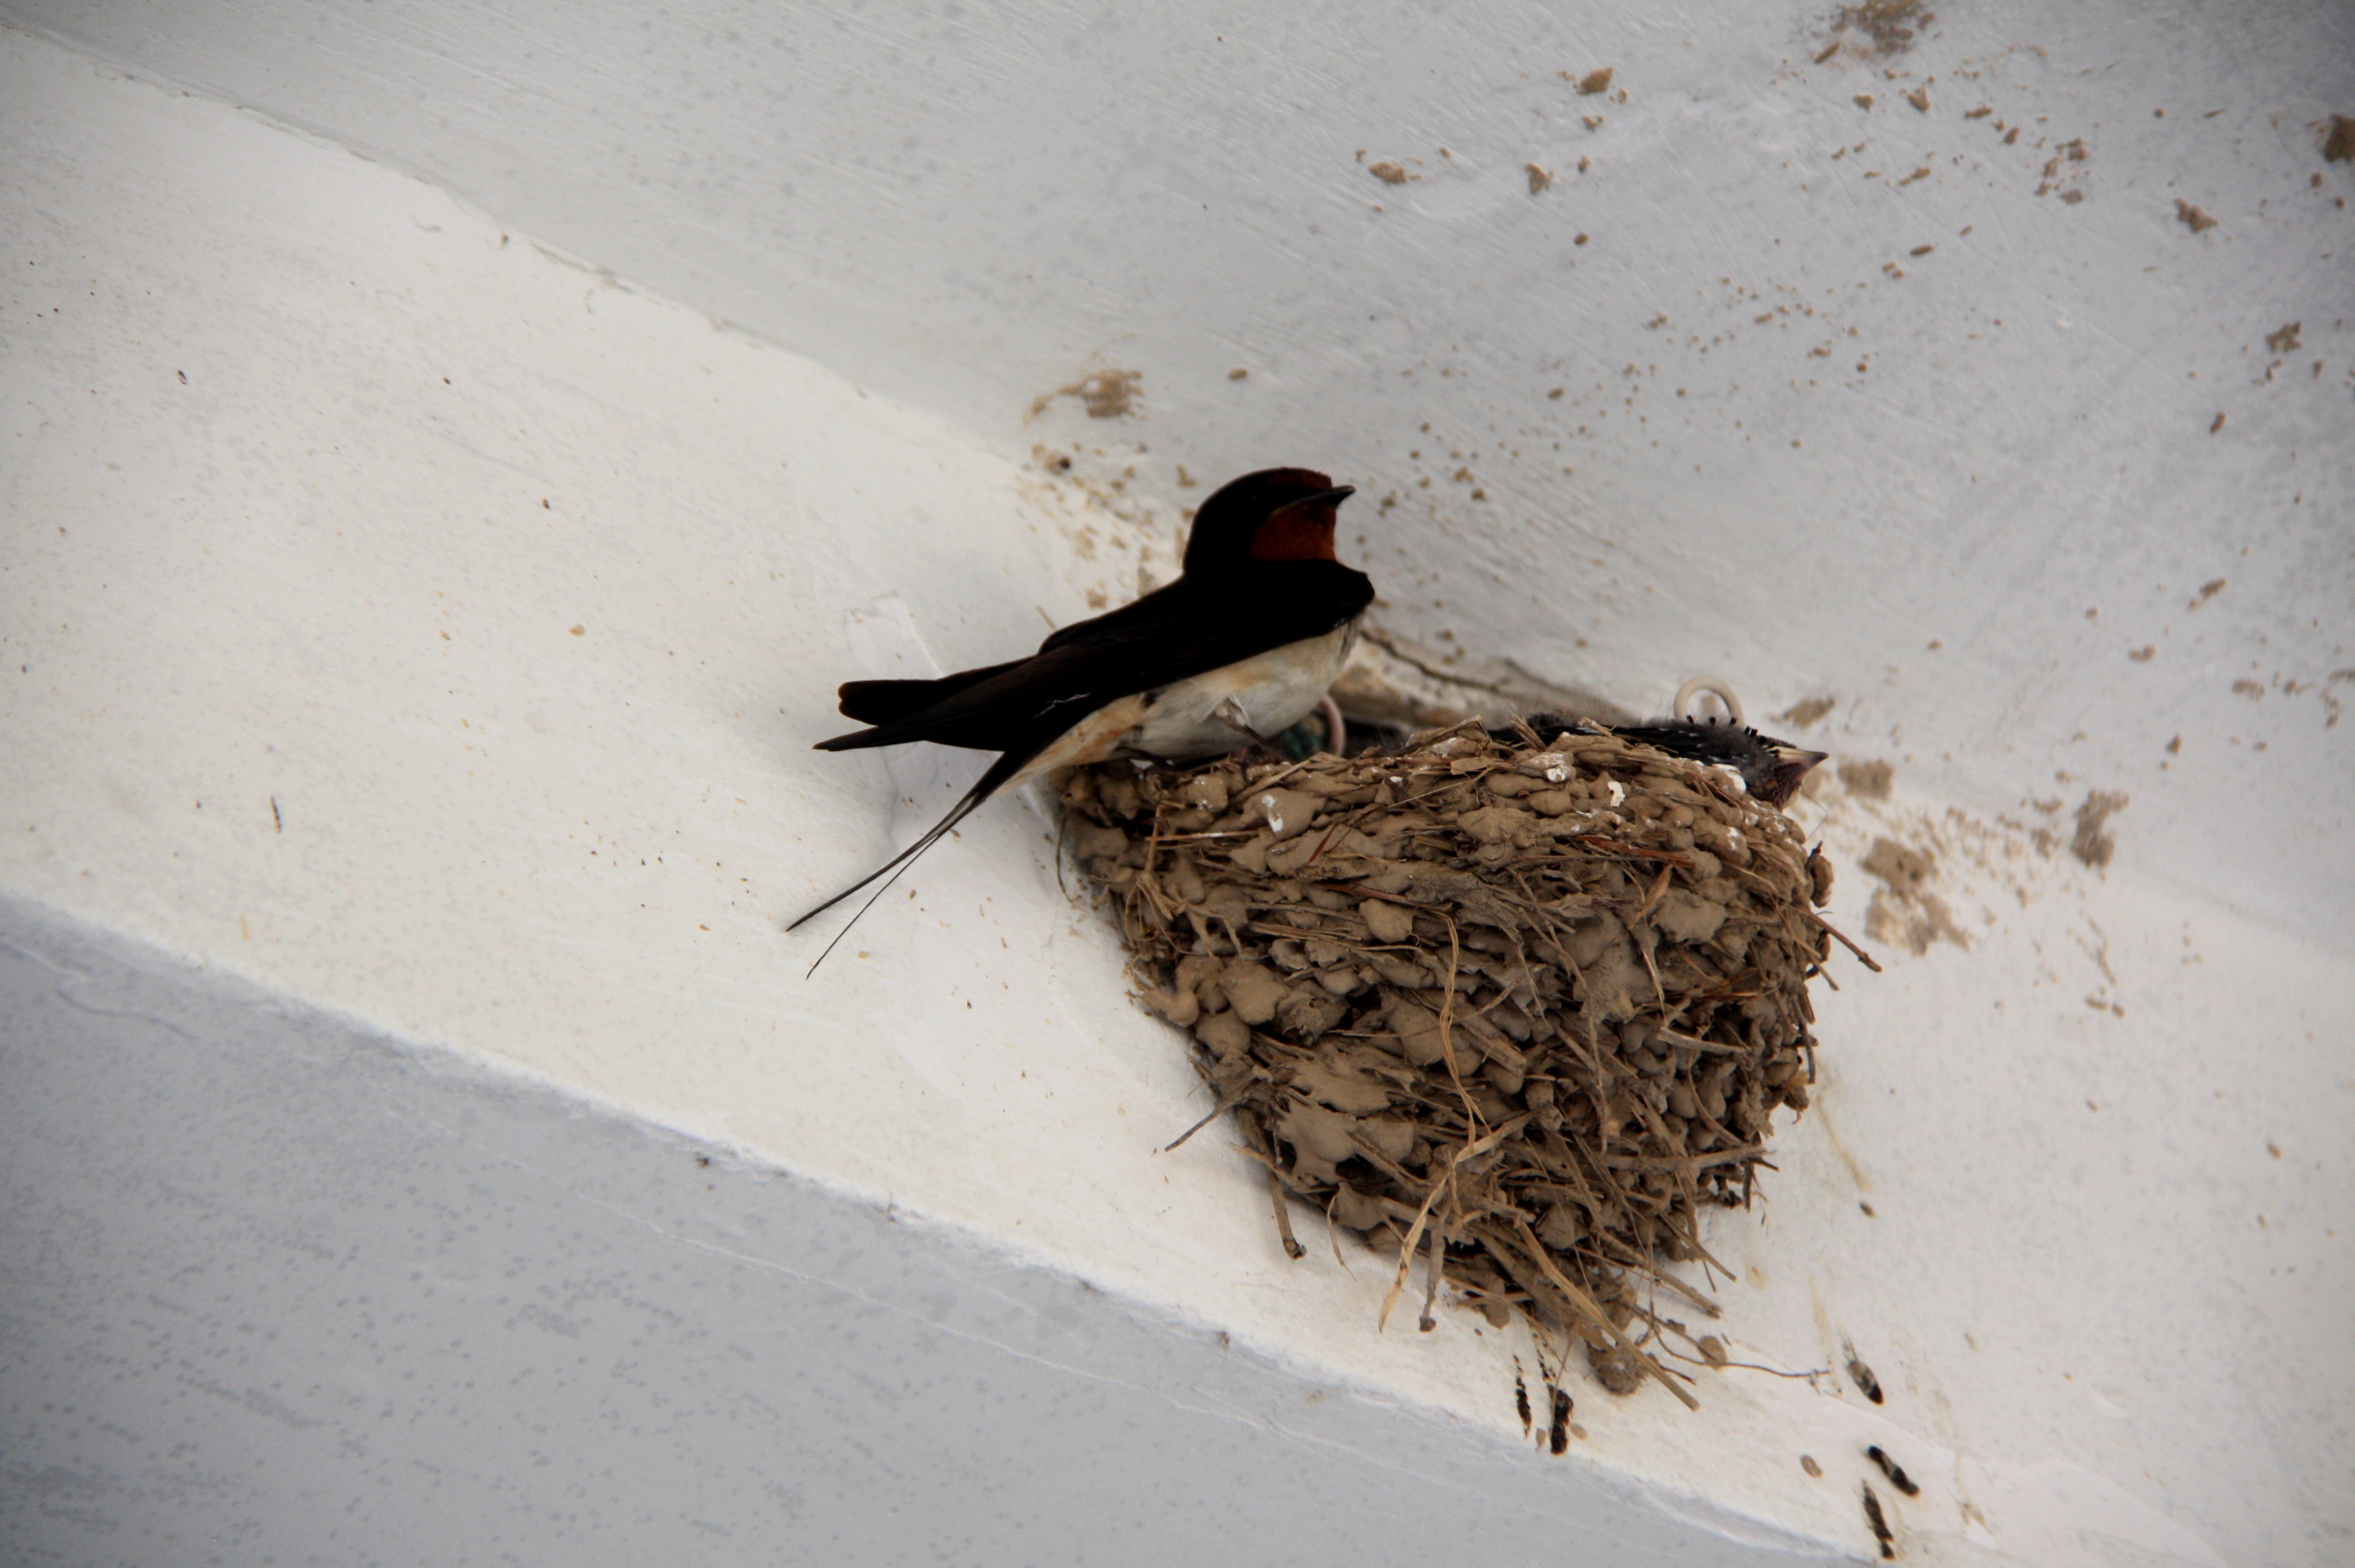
point(1788, 770)
point(1277, 514)
point(1770, 770)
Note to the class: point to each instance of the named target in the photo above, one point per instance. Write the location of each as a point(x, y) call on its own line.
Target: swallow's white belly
point(1198, 717)
point(1268, 692)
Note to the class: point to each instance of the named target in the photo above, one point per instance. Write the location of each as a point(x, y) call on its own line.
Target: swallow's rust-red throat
point(1303, 531)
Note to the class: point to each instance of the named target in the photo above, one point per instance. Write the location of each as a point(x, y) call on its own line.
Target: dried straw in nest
point(1527, 1004)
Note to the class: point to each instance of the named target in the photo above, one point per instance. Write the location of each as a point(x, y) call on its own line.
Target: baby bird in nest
point(1770, 770)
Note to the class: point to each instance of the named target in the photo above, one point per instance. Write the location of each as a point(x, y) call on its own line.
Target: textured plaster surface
point(280, 1290)
point(418, 620)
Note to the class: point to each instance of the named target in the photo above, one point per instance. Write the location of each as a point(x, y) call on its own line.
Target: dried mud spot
point(2331, 706)
point(1868, 780)
point(2093, 843)
point(2196, 220)
point(2062, 170)
point(2338, 140)
point(1875, 28)
point(1105, 394)
point(1807, 711)
point(1121, 544)
point(1523, 1010)
point(1109, 394)
point(1904, 911)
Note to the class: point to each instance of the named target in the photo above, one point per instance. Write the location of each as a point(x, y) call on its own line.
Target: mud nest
point(1523, 1005)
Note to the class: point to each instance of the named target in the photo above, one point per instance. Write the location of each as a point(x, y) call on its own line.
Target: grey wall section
point(279, 1291)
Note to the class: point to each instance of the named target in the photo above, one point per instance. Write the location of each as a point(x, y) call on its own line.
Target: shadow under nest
point(1527, 1004)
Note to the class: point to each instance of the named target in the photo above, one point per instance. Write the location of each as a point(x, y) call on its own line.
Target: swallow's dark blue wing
point(1186, 629)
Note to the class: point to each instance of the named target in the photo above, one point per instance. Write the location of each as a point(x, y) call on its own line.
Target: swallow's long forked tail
point(1004, 768)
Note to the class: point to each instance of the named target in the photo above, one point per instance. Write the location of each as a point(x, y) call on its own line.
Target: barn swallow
point(1769, 769)
point(1241, 647)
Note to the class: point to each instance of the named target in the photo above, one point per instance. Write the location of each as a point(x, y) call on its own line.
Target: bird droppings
point(2093, 844)
point(1879, 1522)
point(1528, 1009)
point(1868, 780)
point(2198, 221)
point(1861, 1374)
point(1894, 1471)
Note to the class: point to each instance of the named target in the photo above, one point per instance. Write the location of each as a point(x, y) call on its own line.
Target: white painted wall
point(320, 575)
point(967, 209)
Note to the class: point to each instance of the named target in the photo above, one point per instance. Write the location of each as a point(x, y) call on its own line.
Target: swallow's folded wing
point(1186, 629)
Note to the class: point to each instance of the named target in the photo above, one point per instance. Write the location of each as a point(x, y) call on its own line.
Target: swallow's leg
point(1336, 728)
point(1231, 713)
point(1256, 747)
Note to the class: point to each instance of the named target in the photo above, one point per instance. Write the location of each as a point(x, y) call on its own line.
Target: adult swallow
point(1242, 646)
